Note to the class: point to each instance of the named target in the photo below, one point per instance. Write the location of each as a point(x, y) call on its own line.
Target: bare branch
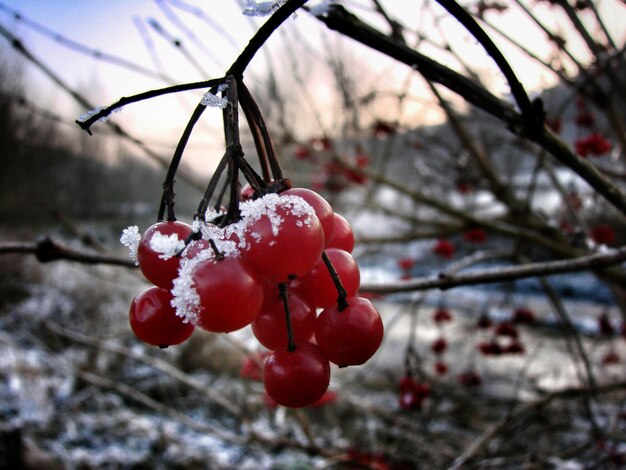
point(446, 281)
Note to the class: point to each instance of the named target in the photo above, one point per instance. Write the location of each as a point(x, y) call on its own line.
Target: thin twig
point(446, 281)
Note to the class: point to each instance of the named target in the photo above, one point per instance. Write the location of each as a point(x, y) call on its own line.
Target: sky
point(115, 27)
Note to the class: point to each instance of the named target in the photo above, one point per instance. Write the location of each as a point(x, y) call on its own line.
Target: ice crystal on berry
point(130, 239)
point(185, 299)
point(166, 245)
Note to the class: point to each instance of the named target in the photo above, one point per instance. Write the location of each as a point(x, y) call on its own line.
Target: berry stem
point(291, 343)
point(268, 158)
point(218, 254)
point(231, 135)
point(342, 303)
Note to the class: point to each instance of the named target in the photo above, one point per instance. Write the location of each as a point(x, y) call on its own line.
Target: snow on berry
point(185, 299)
point(130, 239)
point(166, 246)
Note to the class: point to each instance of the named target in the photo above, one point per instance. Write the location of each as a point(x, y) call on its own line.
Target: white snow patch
point(130, 239)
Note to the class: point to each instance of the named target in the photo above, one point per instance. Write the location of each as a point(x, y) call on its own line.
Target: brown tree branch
point(47, 250)
point(485, 276)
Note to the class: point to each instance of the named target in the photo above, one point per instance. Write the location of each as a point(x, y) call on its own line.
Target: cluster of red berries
point(335, 173)
point(504, 336)
point(442, 248)
point(412, 393)
point(441, 316)
point(594, 144)
point(288, 256)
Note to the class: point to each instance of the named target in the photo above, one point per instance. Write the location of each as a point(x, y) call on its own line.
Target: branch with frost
point(486, 276)
point(130, 392)
point(47, 250)
point(154, 362)
point(88, 118)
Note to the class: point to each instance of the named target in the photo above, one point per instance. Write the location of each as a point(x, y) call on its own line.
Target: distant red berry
point(603, 234)
point(439, 346)
point(406, 264)
point(303, 153)
point(490, 348)
point(442, 315)
point(470, 379)
point(475, 235)
point(441, 368)
point(444, 248)
point(252, 366)
point(610, 358)
point(523, 316)
point(605, 326)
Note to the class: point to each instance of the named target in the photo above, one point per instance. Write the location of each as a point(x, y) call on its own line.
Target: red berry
point(444, 248)
point(297, 378)
point(343, 236)
point(270, 326)
point(284, 240)
point(523, 315)
point(439, 346)
point(154, 320)
point(605, 326)
point(610, 358)
point(490, 348)
point(318, 285)
point(322, 208)
point(603, 234)
point(412, 393)
point(153, 265)
point(350, 336)
point(406, 264)
point(475, 235)
point(252, 366)
point(303, 153)
point(470, 379)
point(230, 293)
point(442, 315)
point(441, 368)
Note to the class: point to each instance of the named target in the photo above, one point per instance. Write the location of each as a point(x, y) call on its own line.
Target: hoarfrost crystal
point(252, 8)
point(321, 9)
point(214, 101)
point(130, 239)
point(92, 112)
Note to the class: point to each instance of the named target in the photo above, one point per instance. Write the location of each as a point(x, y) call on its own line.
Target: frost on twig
point(322, 8)
point(252, 8)
point(86, 116)
point(130, 239)
point(214, 101)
